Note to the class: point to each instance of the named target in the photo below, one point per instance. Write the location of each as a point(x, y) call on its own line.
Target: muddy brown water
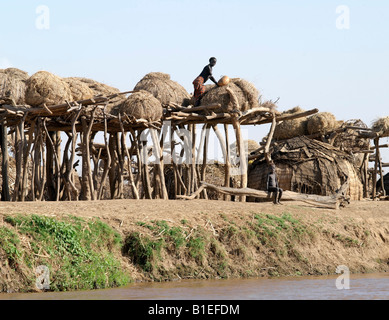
point(362, 287)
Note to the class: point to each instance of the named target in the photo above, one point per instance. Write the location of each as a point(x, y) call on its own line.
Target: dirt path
point(125, 213)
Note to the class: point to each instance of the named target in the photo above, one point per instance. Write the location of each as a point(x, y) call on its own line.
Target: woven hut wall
point(308, 166)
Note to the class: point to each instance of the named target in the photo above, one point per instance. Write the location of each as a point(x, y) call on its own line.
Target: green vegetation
point(88, 254)
point(201, 248)
point(79, 254)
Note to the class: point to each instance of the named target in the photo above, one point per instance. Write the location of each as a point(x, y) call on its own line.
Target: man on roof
point(202, 79)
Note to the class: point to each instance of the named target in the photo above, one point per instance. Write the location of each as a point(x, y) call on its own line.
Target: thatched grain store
point(245, 92)
point(140, 105)
point(45, 88)
point(13, 84)
point(163, 88)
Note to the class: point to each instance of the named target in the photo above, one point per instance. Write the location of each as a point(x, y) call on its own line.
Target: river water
point(362, 287)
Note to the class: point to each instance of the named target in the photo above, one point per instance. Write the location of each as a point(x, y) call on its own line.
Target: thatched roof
point(246, 93)
point(102, 89)
point(79, 89)
point(13, 84)
point(141, 105)
point(46, 88)
point(308, 166)
point(164, 89)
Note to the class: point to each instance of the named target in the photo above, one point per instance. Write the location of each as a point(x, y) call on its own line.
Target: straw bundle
point(381, 126)
point(101, 89)
point(46, 88)
point(164, 89)
point(291, 128)
point(246, 93)
point(321, 123)
point(80, 90)
point(13, 84)
point(141, 105)
point(98, 88)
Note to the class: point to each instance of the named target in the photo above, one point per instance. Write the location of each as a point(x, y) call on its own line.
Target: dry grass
point(80, 90)
point(381, 126)
point(13, 84)
point(46, 88)
point(291, 128)
point(164, 89)
point(141, 105)
point(98, 88)
point(246, 93)
point(321, 123)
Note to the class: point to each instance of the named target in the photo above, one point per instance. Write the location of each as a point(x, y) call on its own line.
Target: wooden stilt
point(5, 196)
point(375, 172)
point(129, 163)
point(107, 164)
point(227, 165)
point(159, 164)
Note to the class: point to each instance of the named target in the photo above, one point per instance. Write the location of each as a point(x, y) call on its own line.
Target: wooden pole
point(26, 154)
point(380, 170)
point(5, 196)
point(376, 143)
point(50, 170)
point(19, 133)
point(159, 164)
point(135, 191)
point(227, 166)
point(107, 163)
point(242, 156)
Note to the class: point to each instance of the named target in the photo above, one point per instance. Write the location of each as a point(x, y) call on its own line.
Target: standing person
point(272, 184)
point(202, 79)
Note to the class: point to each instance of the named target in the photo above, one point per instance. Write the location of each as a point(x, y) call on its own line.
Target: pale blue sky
point(288, 48)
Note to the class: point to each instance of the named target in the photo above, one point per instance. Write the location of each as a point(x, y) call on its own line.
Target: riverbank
point(91, 245)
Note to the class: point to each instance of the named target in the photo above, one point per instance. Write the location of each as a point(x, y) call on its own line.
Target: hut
point(308, 166)
point(164, 89)
point(13, 84)
point(245, 92)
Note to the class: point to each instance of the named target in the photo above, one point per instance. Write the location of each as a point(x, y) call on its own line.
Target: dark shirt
point(272, 181)
point(207, 73)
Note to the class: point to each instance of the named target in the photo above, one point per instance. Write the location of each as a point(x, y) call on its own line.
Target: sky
point(332, 55)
